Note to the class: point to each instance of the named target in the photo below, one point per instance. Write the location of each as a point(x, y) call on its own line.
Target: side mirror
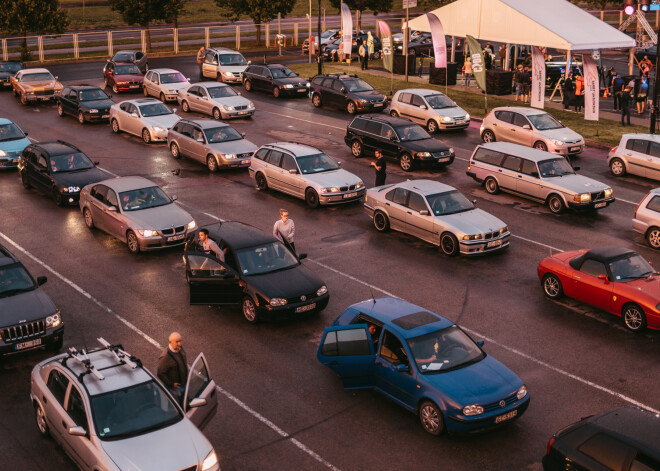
point(97, 162)
point(56, 77)
point(200, 139)
point(534, 174)
point(26, 133)
point(424, 212)
point(527, 126)
point(238, 93)
point(112, 209)
point(134, 115)
point(188, 79)
point(173, 110)
point(174, 198)
point(343, 90)
point(41, 280)
point(339, 163)
point(77, 431)
point(393, 138)
point(604, 278)
point(197, 402)
point(293, 171)
point(243, 134)
point(403, 368)
point(576, 168)
point(302, 256)
point(249, 62)
point(423, 107)
point(480, 343)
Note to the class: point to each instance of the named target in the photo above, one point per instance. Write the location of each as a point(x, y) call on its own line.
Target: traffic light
point(644, 5)
point(629, 7)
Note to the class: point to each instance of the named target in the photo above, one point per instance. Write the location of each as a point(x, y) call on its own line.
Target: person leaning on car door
point(173, 367)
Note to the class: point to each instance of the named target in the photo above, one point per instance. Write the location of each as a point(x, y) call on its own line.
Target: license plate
point(494, 243)
point(574, 149)
point(302, 90)
point(505, 417)
point(444, 159)
point(600, 205)
point(350, 195)
point(134, 86)
point(309, 307)
point(15, 161)
point(31, 343)
point(242, 112)
point(176, 237)
point(378, 105)
point(245, 162)
point(105, 116)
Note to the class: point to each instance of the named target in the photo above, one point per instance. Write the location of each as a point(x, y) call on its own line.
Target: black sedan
point(7, 71)
point(86, 102)
point(259, 272)
point(275, 78)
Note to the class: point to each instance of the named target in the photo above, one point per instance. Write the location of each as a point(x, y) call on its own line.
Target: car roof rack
point(341, 74)
point(64, 143)
point(123, 358)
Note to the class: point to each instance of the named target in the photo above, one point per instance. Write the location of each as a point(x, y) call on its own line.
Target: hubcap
point(380, 221)
point(430, 418)
point(351, 108)
point(432, 126)
point(551, 286)
point(491, 186)
point(41, 420)
point(88, 218)
point(488, 137)
point(249, 310)
point(115, 125)
point(654, 238)
point(555, 204)
point(132, 242)
point(540, 146)
point(357, 149)
point(211, 163)
point(146, 136)
point(633, 318)
point(617, 167)
point(216, 113)
point(405, 162)
point(447, 244)
point(175, 150)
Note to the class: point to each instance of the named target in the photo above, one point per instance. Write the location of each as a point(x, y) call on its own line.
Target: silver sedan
point(145, 117)
point(215, 99)
point(136, 211)
point(436, 213)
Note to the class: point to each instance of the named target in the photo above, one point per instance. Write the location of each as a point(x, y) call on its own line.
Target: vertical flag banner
point(591, 88)
point(538, 78)
point(478, 64)
point(346, 29)
point(386, 42)
point(439, 42)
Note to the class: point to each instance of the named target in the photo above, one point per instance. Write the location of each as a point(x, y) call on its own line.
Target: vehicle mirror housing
point(604, 278)
point(423, 107)
point(174, 198)
point(339, 163)
point(293, 171)
point(534, 174)
point(402, 368)
point(480, 343)
point(576, 168)
point(134, 115)
point(77, 431)
point(197, 402)
point(112, 208)
point(26, 133)
point(424, 212)
point(249, 62)
point(96, 162)
point(41, 280)
point(343, 90)
point(474, 202)
point(200, 139)
point(238, 93)
point(302, 256)
point(527, 126)
point(243, 134)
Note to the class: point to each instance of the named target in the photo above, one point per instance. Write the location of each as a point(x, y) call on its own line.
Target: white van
point(224, 65)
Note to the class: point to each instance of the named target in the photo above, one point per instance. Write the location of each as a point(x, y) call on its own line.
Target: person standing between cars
point(173, 367)
point(579, 93)
point(569, 91)
point(641, 95)
point(617, 90)
point(284, 229)
point(467, 71)
point(363, 52)
point(200, 59)
point(370, 44)
point(526, 84)
point(626, 99)
point(381, 167)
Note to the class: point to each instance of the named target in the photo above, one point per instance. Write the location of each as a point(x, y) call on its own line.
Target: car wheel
point(432, 126)
point(115, 126)
point(652, 237)
point(162, 97)
point(276, 92)
point(617, 167)
point(185, 107)
point(312, 198)
point(556, 204)
point(60, 110)
point(211, 163)
point(56, 346)
point(406, 162)
point(87, 215)
point(248, 86)
point(316, 100)
point(394, 114)
point(262, 184)
point(488, 136)
point(81, 117)
point(144, 90)
point(25, 181)
point(40, 417)
point(132, 242)
point(219, 78)
point(57, 197)
point(356, 148)
point(552, 286)
point(115, 89)
point(174, 149)
point(216, 114)
point(250, 311)
point(449, 244)
point(146, 136)
point(351, 108)
point(633, 317)
point(540, 145)
point(491, 186)
point(430, 418)
point(381, 221)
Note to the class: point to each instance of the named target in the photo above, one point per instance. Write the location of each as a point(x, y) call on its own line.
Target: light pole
point(309, 49)
point(318, 49)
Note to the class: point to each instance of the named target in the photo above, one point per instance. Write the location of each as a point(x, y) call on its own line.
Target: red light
point(552, 440)
point(629, 10)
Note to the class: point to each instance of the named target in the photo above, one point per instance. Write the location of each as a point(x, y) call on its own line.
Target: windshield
point(283, 72)
point(357, 85)
point(414, 132)
point(544, 122)
point(90, 95)
point(450, 202)
point(223, 134)
point(127, 70)
point(444, 350)
point(133, 411)
point(440, 101)
point(555, 168)
point(232, 59)
point(14, 279)
point(154, 109)
point(316, 163)
point(10, 67)
point(143, 198)
point(10, 132)
point(630, 268)
point(174, 77)
point(38, 77)
point(221, 92)
point(70, 162)
point(265, 259)
point(123, 56)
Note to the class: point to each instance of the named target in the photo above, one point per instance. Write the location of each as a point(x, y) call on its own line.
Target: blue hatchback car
point(12, 142)
point(423, 362)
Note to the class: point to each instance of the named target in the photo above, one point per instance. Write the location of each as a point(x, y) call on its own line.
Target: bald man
point(173, 367)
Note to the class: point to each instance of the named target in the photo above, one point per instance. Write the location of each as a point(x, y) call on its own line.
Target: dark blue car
point(423, 362)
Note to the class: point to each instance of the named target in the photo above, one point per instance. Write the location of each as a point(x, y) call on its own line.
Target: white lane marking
point(537, 243)
point(153, 342)
point(626, 201)
point(211, 216)
point(350, 277)
point(105, 170)
point(305, 120)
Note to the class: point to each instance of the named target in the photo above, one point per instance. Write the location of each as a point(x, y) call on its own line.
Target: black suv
point(623, 439)
point(29, 318)
point(398, 139)
point(275, 78)
point(59, 169)
point(84, 101)
point(7, 71)
point(348, 92)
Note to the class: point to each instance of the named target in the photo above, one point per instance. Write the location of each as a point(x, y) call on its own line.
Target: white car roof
point(523, 151)
point(520, 109)
point(425, 187)
point(420, 91)
point(35, 71)
point(165, 71)
point(649, 137)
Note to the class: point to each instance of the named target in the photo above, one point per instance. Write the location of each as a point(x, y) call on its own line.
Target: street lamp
point(318, 48)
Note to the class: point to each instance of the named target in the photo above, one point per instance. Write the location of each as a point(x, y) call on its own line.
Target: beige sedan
point(33, 85)
point(215, 99)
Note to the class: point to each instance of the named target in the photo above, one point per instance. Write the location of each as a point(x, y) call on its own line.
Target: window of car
point(110, 68)
point(92, 94)
point(519, 120)
point(139, 55)
point(354, 85)
point(404, 98)
point(630, 267)
point(221, 134)
point(654, 150)
point(488, 156)
point(440, 101)
point(316, 163)
point(593, 268)
point(350, 342)
point(555, 168)
point(400, 196)
point(512, 162)
point(654, 204)
point(143, 198)
point(638, 145)
point(374, 127)
point(41, 161)
point(154, 109)
point(338, 85)
point(261, 154)
point(10, 132)
point(387, 132)
point(281, 72)
point(391, 349)
point(544, 122)
point(185, 129)
point(412, 132)
point(265, 259)
point(70, 162)
point(232, 59)
point(274, 157)
point(126, 70)
point(416, 202)
point(76, 409)
point(194, 90)
point(210, 58)
point(449, 202)
point(150, 75)
point(72, 95)
point(65, 91)
point(14, 279)
point(204, 266)
point(607, 450)
point(417, 101)
point(642, 462)
point(57, 384)
point(358, 124)
point(99, 192)
point(172, 77)
point(327, 83)
point(529, 167)
point(444, 350)
point(124, 107)
point(288, 163)
point(505, 116)
point(317, 80)
point(219, 92)
point(111, 198)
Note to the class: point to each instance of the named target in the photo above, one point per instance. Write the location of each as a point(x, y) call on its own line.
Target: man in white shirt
point(284, 228)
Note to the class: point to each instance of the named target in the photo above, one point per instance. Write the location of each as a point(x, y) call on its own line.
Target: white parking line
point(111, 173)
point(301, 119)
point(626, 201)
point(537, 243)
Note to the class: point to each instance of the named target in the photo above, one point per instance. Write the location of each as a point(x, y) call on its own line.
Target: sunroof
point(416, 319)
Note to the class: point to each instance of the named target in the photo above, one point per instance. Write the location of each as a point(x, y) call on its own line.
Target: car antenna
point(373, 298)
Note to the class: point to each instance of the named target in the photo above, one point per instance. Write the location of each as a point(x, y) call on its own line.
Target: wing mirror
point(339, 163)
point(77, 431)
point(302, 256)
point(197, 402)
point(576, 168)
point(243, 134)
point(604, 278)
point(403, 368)
point(26, 133)
point(474, 202)
point(97, 162)
point(535, 174)
point(343, 90)
point(393, 138)
point(200, 139)
point(174, 198)
point(423, 107)
point(424, 212)
point(480, 343)
point(173, 110)
point(527, 126)
point(249, 62)
point(238, 93)
point(293, 171)
point(134, 115)
point(112, 209)
point(41, 280)
point(188, 79)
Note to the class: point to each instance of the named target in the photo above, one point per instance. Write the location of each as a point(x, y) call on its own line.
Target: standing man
point(200, 58)
point(173, 367)
point(381, 166)
point(363, 52)
point(284, 229)
point(527, 84)
point(518, 79)
point(568, 91)
point(626, 99)
point(617, 90)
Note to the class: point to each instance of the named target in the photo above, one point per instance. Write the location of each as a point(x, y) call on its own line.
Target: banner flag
point(439, 41)
point(591, 88)
point(538, 78)
point(386, 42)
point(478, 64)
point(346, 29)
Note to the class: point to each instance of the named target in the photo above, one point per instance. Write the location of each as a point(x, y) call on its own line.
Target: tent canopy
point(557, 24)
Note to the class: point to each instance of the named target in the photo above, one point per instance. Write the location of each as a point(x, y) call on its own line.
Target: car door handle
point(512, 130)
point(499, 170)
point(64, 425)
point(43, 398)
point(333, 363)
point(387, 204)
point(408, 212)
point(628, 155)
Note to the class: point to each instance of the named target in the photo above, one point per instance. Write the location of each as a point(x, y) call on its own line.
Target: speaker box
point(439, 76)
point(498, 82)
point(400, 64)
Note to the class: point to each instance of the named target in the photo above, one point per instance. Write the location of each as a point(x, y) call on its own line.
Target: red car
point(614, 279)
point(122, 76)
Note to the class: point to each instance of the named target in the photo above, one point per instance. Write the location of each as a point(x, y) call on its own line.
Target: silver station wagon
point(429, 108)
point(438, 214)
point(536, 175)
point(637, 154)
point(305, 172)
point(145, 117)
point(646, 220)
point(164, 84)
point(215, 99)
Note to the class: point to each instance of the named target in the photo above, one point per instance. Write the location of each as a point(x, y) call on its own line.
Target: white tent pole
point(568, 63)
point(453, 47)
point(507, 58)
point(631, 58)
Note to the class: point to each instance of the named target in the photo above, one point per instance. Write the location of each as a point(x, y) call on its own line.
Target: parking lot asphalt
point(279, 407)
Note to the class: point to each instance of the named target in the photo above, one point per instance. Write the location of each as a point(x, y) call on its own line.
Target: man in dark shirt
point(173, 367)
point(625, 101)
point(380, 165)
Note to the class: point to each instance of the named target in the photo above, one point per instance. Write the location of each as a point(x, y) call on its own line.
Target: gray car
point(646, 220)
point(429, 108)
point(136, 211)
point(637, 154)
point(138, 58)
point(216, 144)
point(216, 99)
point(145, 117)
point(438, 214)
point(109, 413)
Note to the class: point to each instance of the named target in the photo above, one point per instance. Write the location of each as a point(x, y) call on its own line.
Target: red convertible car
point(614, 279)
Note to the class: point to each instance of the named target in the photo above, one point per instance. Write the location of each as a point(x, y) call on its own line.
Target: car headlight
point(359, 185)
point(504, 229)
point(474, 409)
point(3, 153)
point(322, 290)
point(451, 150)
point(158, 129)
point(362, 100)
point(308, 84)
point(147, 232)
point(228, 74)
point(228, 108)
point(467, 116)
point(191, 225)
point(473, 237)
point(29, 93)
point(93, 111)
point(423, 154)
point(333, 189)
point(278, 301)
point(608, 192)
point(250, 105)
point(557, 142)
point(583, 198)
point(71, 189)
point(446, 119)
point(53, 320)
point(229, 156)
point(522, 392)
point(210, 462)
point(288, 85)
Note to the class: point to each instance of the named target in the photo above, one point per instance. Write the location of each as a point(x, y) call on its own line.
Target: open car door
point(211, 281)
point(348, 351)
point(201, 399)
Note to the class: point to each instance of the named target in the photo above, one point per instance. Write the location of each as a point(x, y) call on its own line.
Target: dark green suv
point(86, 102)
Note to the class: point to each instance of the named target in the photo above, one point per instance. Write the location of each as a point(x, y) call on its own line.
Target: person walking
point(526, 84)
point(284, 229)
point(467, 71)
point(642, 93)
point(173, 367)
point(370, 44)
point(381, 166)
point(579, 93)
point(617, 90)
point(363, 52)
point(518, 78)
point(626, 99)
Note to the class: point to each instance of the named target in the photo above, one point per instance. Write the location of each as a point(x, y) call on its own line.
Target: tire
point(430, 418)
point(144, 90)
point(633, 318)
point(115, 126)
point(87, 216)
point(23, 99)
point(491, 186)
point(381, 221)
point(488, 136)
point(540, 145)
point(276, 92)
point(57, 197)
point(219, 78)
point(316, 100)
point(356, 149)
point(250, 311)
point(248, 86)
point(617, 167)
point(146, 136)
point(552, 287)
point(216, 114)
point(394, 114)
point(25, 181)
point(211, 163)
point(115, 89)
point(449, 244)
point(132, 243)
point(262, 183)
point(60, 110)
point(351, 108)
point(174, 149)
point(432, 126)
point(556, 204)
point(40, 418)
point(652, 237)
point(185, 106)
point(81, 117)
point(312, 198)
point(406, 162)
point(162, 97)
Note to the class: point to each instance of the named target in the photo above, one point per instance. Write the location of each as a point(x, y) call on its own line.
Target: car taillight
point(552, 440)
point(346, 132)
point(640, 203)
point(469, 166)
point(613, 149)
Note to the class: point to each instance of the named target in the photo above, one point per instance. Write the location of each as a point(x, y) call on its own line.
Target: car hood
point(577, 183)
point(481, 383)
point(425, 145)
point(338, 177)
point(370, 95)
point(562, 134)
point(129, 78)
point(97, 104)
point(164, 121)
point(15, 146)
point(241, 146)
point(476, 221)
point(81, 178)
point(291, 80)
point(232, 101)
point(234, 68)
point(160, 217)
point(175, 87)
point(453, 112)
point(648, 287)
point(45, 84)
point(289, 283)
point(178, 446)
point(25, 307)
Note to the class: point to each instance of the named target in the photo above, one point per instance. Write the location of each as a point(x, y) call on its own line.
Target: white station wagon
point(164, 84)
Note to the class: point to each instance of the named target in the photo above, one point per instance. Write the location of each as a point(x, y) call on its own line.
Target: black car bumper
point(371, 106)
point(9, 162)
point(70, 199)
point(294, 310)
point(592, 205)
point(50, 338)
point(295, 91)
point(435, 161)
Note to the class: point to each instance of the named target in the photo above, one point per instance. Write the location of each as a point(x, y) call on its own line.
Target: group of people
point(625, 93)
point(522, 80)
point(573, 89)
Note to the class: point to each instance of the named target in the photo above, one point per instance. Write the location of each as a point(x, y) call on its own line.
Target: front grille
point(491, 235)
point(347, 188)
point(44, 92)
point(237, 74)
point(572, 142)
point(173, 230)
point(444, 153)
point(247, 155)
point(598, 195)
point(496, 405)
point(377, 100)
point(242, 107)
point(24, 331)
point(296, 299)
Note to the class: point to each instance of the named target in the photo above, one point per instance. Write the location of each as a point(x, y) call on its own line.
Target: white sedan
point(143, 117)
point(216, 99)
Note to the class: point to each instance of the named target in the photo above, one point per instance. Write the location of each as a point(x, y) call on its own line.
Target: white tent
point(548, 23)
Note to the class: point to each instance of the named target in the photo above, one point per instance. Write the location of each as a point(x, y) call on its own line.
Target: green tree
point(141, 12)
point(173, 9)
point(261, 11)
point(377, 6)
point(24, 17)
point(601, 4)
